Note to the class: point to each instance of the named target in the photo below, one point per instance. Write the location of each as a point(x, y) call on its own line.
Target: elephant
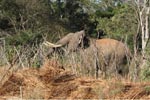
point(109, 55)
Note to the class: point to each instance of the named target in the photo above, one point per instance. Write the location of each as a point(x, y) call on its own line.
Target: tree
point(144, 13)
point(24, 14)
point(118, 21)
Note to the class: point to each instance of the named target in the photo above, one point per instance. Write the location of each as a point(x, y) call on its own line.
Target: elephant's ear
point(79, 36)
point(48, 44)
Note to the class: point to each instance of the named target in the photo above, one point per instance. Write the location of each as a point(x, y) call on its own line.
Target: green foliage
point(24, 38)
point(105, 13)
point(147, 89)
point(24, 14)
point(114, 17)
point(28, 21)
point(9, 7)
point(19, 16)
point(10, 53)
point(78, 18)
point(119, 22)
point(145, 72)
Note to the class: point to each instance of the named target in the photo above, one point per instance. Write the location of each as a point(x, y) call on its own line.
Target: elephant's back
point(110, 46)
point(108, 43)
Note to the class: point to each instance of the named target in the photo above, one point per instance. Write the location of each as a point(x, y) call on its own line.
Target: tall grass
point(82, 63)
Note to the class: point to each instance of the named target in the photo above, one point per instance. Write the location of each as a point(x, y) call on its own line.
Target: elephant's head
point(72, 40)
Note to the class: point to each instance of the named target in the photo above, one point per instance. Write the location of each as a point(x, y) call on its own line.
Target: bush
point(24, 38)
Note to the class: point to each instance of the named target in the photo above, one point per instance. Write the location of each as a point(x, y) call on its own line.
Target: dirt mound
point(22, 83)
point(135, 91)
point(53, 82)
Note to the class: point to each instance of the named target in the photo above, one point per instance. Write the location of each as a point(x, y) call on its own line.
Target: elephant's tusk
point(46, 43)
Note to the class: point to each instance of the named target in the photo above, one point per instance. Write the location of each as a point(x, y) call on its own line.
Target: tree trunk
point(144, 21)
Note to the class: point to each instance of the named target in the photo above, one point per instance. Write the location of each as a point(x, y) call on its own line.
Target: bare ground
point(53, 82)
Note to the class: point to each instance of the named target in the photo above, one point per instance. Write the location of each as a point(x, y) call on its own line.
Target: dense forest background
point(25, 24)
point(28, 21)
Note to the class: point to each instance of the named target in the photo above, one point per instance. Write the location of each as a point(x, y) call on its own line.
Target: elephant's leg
point(112, 66)
point(97, 65)
point(103, 69)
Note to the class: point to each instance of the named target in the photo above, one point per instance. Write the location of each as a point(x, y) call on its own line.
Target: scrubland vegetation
point(26, 71)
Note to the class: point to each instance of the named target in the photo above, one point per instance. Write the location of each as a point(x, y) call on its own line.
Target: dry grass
point(53, 82)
